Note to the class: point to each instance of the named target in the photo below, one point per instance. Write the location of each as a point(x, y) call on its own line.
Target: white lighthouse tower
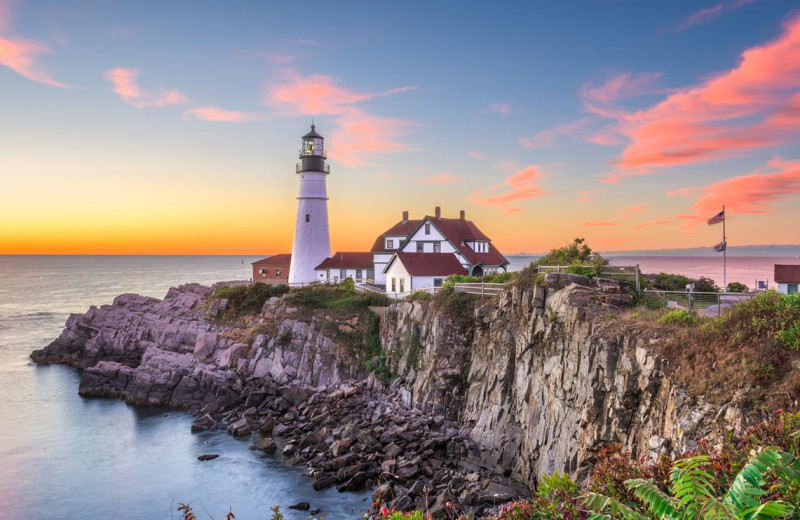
point(312, 240)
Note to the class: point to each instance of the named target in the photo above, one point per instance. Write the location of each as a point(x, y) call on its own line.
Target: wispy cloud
point(598, 223)
point(441, 178)
point(215, 114)
point(708, 15)
point(638, 208)
point(587, 195)
point(550, 137)
point(126, 87)
point(22, 55)
point(652, 223)
point(475, 154)
point(522, 185)
point(360, 136)
point(501, 107)
point(754, 105)
point(752, 194)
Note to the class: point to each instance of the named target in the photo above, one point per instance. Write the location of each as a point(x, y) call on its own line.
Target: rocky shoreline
point(476, 400)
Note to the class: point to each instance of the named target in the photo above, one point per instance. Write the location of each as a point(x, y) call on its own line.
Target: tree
point(574, 254)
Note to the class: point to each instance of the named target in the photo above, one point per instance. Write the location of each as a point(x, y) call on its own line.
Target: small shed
point(273, 269)
point(787, 278)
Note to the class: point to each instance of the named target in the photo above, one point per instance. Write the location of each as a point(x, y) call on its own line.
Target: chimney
point(405, 216)
point(438, 212)
point(463, 214)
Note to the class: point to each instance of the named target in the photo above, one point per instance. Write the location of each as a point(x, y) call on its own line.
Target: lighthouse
point(312, 241)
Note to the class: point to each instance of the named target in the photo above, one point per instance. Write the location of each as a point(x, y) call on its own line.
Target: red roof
point(429, 264)
point(281, 259)
point(787, 273)
point(401, 229)
point(347, 260)
point(458, 231)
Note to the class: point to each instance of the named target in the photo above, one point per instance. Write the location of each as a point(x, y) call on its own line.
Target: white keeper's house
point(787, 277)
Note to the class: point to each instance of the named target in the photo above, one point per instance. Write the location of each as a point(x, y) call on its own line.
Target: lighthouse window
point(308, 217)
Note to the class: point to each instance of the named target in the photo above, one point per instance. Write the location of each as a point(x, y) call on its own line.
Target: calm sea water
point(67, 457)
point(740, 269)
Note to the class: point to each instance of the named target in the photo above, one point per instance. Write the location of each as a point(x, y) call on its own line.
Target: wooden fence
point(481, 288)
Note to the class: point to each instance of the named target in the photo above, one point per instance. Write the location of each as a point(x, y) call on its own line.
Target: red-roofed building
point(437, 234)
point(273, 269)
point(408, 272)
point(343, 265)
point(788, 278)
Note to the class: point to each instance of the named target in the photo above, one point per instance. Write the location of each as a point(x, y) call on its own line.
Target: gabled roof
point(428, 264)
point(281, 259)
point(787, 273)
point(345, 260)
point(458, 231)
point(401, 229)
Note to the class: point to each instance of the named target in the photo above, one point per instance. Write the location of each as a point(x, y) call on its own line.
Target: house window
point(263, 273)
point(394, 284)
point(437, 247)
point(420, 247)
point(437, 282)
point(342, 274)
point(402, 284)
point(359, 273)
point(791, 288)
point(308, 217)
point(370, 274)
point(278, 273)
point(427, 229)
point(389, 243)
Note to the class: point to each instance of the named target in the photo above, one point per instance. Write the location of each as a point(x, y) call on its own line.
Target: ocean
point(68, 457)
point(65, 457)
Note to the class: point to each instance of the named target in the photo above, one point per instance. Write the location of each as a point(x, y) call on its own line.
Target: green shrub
point(671, 282)
point(678, 317)
point(341, 296)
point(577, 252)
point(419, 296)
point(737, 287)
point(249, 299)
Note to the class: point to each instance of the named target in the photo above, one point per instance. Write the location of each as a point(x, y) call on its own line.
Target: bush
point(341, 296)
point(678, 317)
point(249, 299)
point(737, 287)
point(419, 296)
point(671, 282)
point(575, 253)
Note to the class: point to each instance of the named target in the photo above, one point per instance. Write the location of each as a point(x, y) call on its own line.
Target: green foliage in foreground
point(737, 287)
point(678, 282)
point(678, 317)
point(250, 298)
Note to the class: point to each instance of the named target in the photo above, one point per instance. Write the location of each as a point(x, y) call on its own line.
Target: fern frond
point(768, 510)
point(658, 502)
point(746, 489)
point(597, 505)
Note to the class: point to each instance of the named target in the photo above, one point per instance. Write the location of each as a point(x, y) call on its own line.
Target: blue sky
point(174, 126)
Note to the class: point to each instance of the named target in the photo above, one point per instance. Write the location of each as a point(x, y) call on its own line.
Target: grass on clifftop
point(250, 298)
point(754, 344)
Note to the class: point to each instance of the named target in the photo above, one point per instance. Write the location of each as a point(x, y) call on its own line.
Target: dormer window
point(389, 243)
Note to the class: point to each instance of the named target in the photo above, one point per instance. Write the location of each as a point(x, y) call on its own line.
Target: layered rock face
point(510, 388)
point(548, 377)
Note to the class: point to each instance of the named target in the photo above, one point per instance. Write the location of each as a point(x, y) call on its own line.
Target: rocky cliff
point(509, 388)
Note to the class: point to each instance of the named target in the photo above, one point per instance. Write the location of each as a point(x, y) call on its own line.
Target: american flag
point(716, 219)
point(720, 247)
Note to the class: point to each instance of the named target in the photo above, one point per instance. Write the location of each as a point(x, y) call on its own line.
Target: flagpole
point(724, 252)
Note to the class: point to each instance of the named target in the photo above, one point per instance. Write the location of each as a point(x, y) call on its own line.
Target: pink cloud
point(359, 135)
point(598, 223)
point(653, 223)
point(622, 86)
point(709, 14)
point(638, 208)
point(752, 194)
point(522, 185)
point(754, 105)
point(21, 55)
point(126, 87)
point(442, 178)
point(587, 195)
point(548, 138)
point(211, 113)
point(501, 107)
point(474, 154)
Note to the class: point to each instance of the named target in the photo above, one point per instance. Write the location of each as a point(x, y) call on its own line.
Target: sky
point(173, 127)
